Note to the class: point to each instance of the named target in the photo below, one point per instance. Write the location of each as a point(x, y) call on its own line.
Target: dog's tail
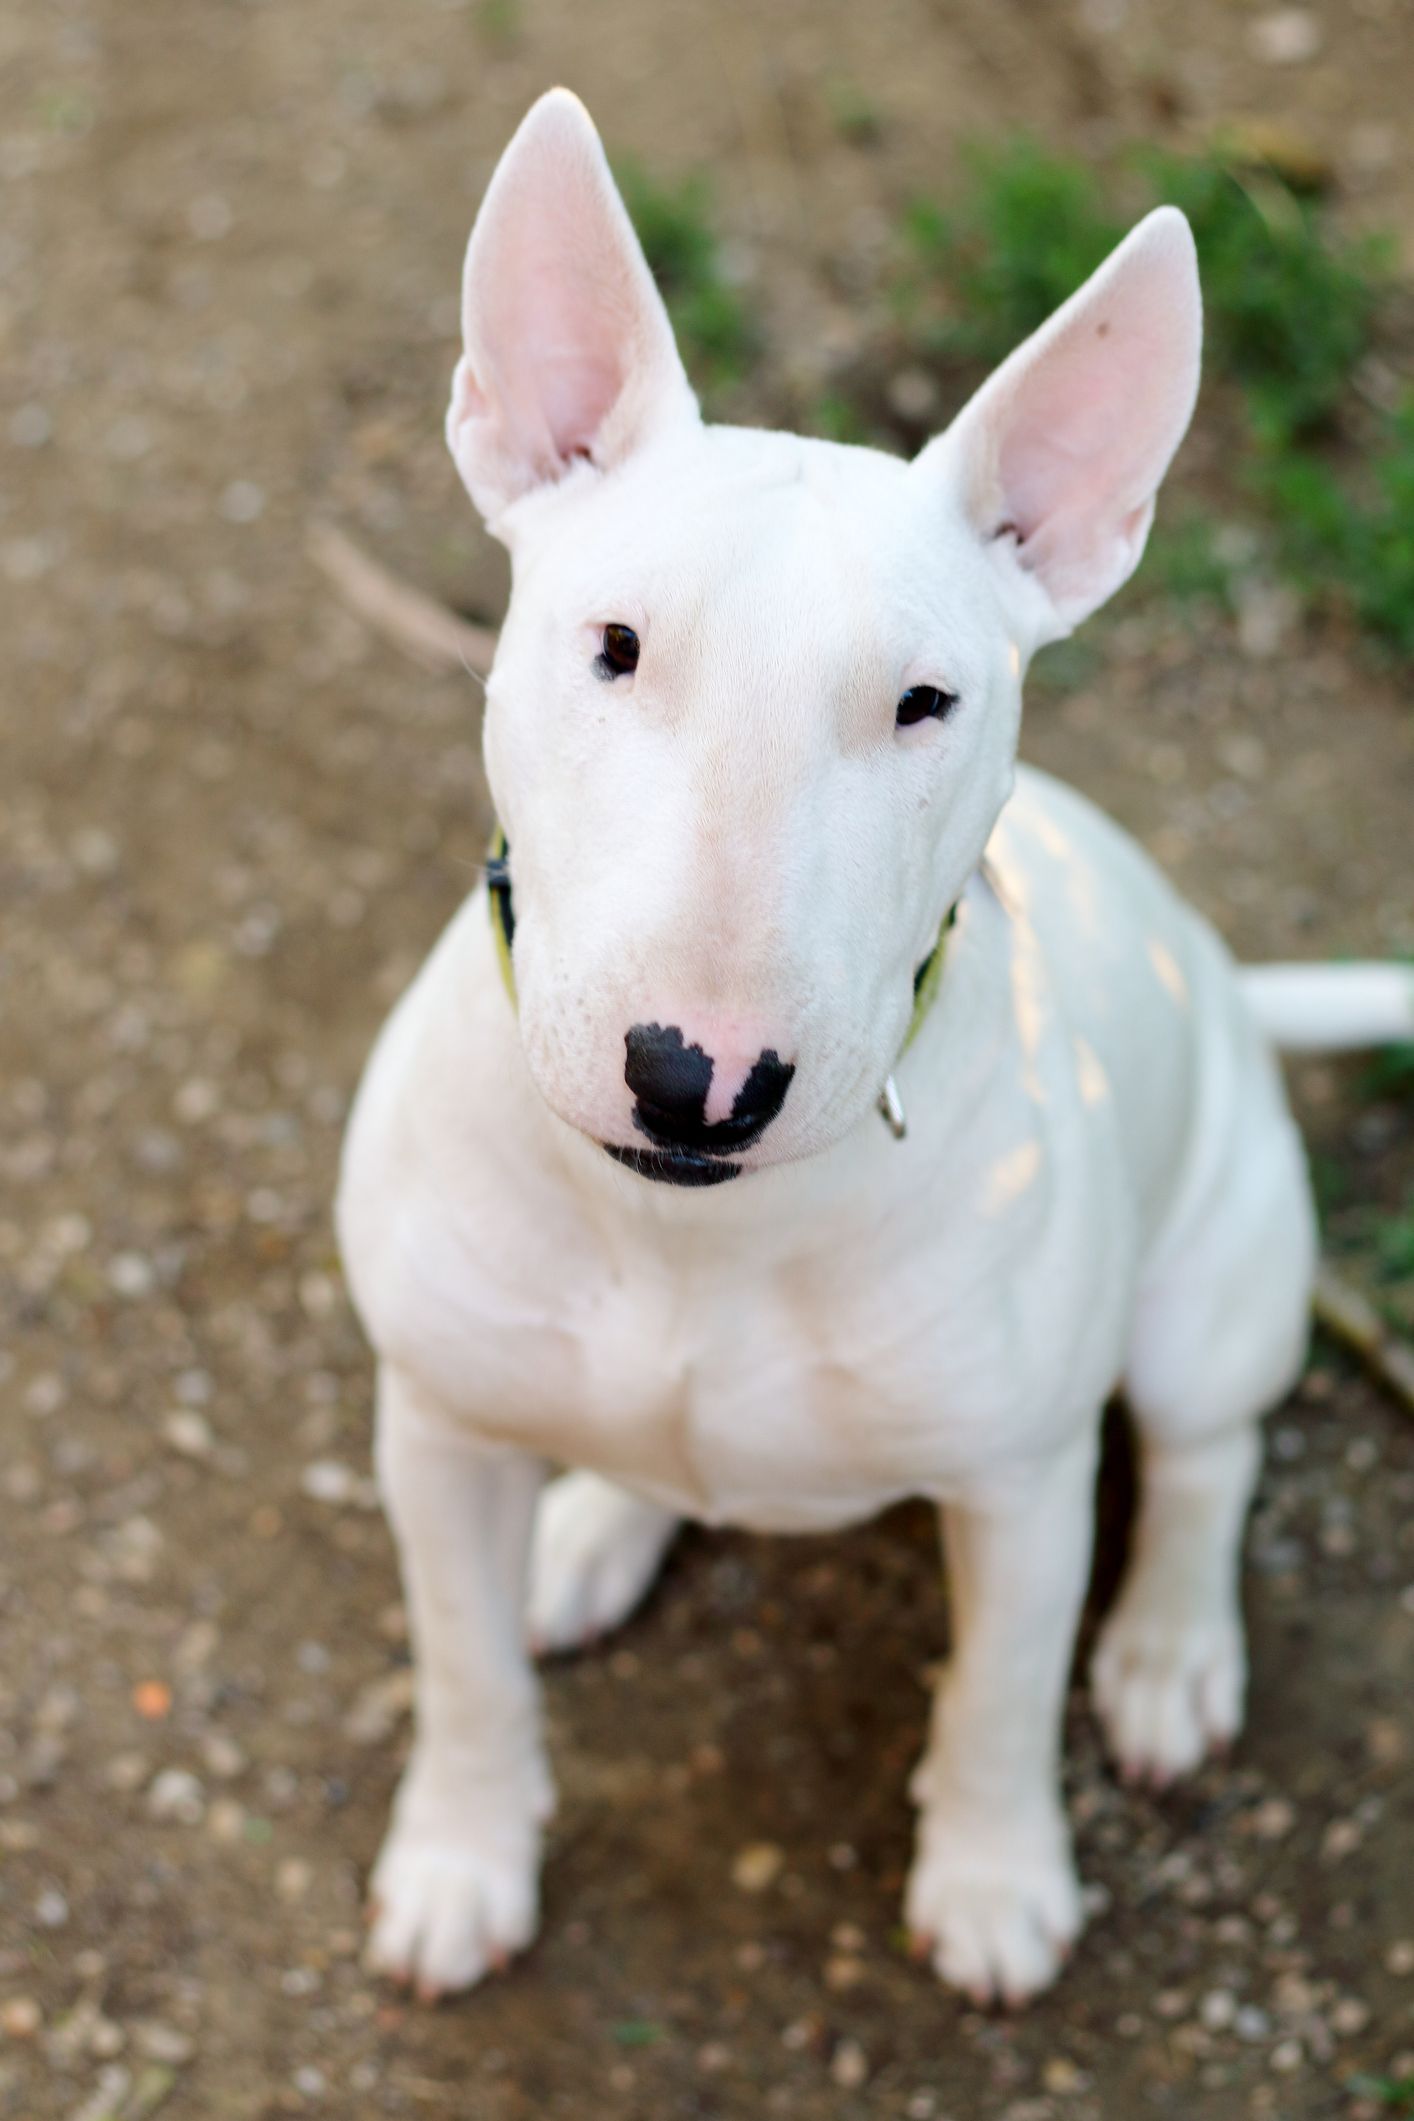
point(1331, 1008)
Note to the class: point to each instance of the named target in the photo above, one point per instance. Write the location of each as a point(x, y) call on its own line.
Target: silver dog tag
point(891, 1110)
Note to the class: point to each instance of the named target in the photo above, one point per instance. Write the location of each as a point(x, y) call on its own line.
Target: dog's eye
point(618, 653)
point(921, 702)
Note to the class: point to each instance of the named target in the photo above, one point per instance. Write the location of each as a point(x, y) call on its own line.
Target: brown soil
point(232, 824)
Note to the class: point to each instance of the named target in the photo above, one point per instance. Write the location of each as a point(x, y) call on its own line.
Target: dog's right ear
point(568, 352)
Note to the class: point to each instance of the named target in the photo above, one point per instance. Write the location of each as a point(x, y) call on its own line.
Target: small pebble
point(106, 2039)
point(329, 1480)
point(127, 1771)
point(225, 1822)
point(1061, 2076)
point(1340, 1839)
point(1273, 1819)
point(242, 501)
point(222, 1757)
point(757, 1867)
point(843, 1972)
point(849, 2065)
point(131, 1275)
point(163, 2043)
point(292, 1878)
point(20, 2018)
point(176, 1796)
point(189, 1432)
point(1287, 36)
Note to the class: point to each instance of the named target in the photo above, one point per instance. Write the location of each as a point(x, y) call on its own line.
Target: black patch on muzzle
point(672, 1168)
point(670, 1080)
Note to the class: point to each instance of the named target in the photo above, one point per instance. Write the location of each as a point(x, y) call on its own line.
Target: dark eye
point(618, 653)
point(922, 701)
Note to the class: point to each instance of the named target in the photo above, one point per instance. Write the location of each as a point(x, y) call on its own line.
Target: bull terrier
point(814, 1108)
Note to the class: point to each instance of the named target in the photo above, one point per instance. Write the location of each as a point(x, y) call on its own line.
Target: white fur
point(1100, 1182)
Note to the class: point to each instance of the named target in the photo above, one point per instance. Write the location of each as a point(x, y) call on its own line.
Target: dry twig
point(413, 621)
point(1353, 1320)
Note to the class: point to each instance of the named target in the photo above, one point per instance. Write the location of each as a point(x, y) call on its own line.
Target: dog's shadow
point(772, 1694)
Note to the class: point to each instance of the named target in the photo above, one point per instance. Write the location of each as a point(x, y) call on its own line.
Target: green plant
point(1290, 310)
point(1029, 229)
point(674, 226)
point(856, 118)
point(1288, 307)
point(637, 2032)
point(1185, 561)
point(1335, 535)
point(1397, 2093)
point(1330, 1182)
point(1394, 1243)
point(499, 20)
point(837, 419)
point(1390, 1072)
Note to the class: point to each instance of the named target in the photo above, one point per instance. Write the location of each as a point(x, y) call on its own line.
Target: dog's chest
point(791, 1395)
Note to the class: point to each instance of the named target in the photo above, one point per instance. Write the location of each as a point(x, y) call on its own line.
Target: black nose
point(670, 1079)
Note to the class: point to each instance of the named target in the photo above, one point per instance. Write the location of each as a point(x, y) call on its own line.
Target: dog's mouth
point(675, 1167)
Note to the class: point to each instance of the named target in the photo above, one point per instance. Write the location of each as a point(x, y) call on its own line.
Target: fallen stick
point(409, 618)
point(1353, 1320)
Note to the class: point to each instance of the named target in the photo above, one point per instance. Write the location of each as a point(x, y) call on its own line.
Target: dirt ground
point(231, 823)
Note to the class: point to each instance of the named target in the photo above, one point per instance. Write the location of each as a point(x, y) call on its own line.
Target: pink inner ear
point(571, 347)
point(569, 351)
point(1071, 438)
point(1079, 453)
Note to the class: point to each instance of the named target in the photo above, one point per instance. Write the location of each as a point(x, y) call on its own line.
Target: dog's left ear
point(1062, 450)
point(568, 352)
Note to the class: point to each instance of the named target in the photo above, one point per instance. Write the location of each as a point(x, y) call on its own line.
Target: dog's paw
point(443, 1912)
point(1168, 1696)
point(996, 1921)
point(596, 1551)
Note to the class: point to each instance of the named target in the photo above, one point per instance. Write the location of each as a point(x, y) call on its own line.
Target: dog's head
point(755, 707)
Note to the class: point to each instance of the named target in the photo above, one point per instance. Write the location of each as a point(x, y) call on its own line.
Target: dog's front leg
point(454, 1890)
point(993, 1894)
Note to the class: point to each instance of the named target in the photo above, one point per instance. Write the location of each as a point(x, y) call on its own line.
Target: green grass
point(715, 331)
point(499, 20)
point(1288, 306)
point(1028, 229)
point(1357, 533)
point(1394, 1243)
point(1291, 309)
point(856, 119)
point(836, 418)
point(1390, 1072)
point(1394, 2093)
point(637, 2032)
point(1185, 561)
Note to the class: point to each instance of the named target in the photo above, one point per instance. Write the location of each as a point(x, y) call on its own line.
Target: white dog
point(775, 882)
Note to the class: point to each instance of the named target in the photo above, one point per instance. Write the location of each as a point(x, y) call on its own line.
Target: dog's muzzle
point(670, 1080)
